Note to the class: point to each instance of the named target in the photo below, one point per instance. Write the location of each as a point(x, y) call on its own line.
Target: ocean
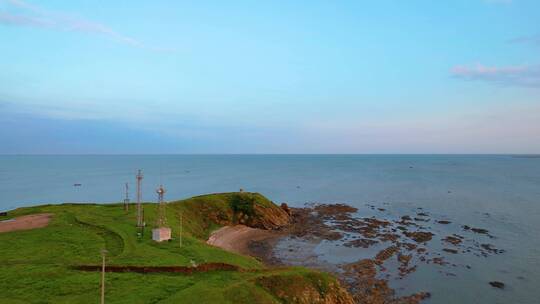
point(500, 193)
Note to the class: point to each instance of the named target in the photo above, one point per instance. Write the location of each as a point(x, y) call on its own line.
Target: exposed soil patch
point(26, 222)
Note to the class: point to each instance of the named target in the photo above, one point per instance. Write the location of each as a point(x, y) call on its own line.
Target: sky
point(414, 76)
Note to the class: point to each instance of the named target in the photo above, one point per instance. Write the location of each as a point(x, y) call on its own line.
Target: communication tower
point(126, 199)
point(139, 206)
point(161, 232)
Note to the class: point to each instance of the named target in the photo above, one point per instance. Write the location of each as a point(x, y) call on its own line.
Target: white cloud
point(25, 14)
point(533, 39)
point(523, 76)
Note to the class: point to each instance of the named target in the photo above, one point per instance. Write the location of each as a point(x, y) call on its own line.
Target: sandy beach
point(237, 238)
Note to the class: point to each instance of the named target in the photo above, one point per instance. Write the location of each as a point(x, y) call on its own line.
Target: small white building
point(161, 234)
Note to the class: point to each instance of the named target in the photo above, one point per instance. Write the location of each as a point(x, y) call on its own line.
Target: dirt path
point(26, 222)
point(237, 238)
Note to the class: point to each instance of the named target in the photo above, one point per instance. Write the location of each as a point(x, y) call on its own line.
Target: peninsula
point(51, 254)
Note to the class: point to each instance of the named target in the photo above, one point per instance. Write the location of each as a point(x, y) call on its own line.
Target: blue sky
point(455, 76)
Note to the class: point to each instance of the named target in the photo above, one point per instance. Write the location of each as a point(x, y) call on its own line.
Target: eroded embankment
point(158, 269)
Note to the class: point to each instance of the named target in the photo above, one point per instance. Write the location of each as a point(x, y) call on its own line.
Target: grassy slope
point(35, 263)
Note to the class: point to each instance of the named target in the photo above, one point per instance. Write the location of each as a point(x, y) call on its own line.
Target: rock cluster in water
point(407, 238)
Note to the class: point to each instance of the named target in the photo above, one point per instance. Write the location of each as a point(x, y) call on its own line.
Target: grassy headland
point(37, 266)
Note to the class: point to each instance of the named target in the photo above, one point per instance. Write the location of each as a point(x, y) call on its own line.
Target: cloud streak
point(522, 76)
point(533, 39)
point(25, 14)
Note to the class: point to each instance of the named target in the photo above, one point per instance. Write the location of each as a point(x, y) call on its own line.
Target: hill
point(46, 265)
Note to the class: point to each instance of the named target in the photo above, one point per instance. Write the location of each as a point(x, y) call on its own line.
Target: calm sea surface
point(461, 188)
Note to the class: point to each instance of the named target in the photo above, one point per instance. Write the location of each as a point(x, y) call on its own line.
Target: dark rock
point(364, 243)
point(438, 261)
point(497, 284)
point(419, 236)
point(490, 248)
point(385, 254)
point(452, 251)
point(480, 230)
point(452, 240)
point(286, 208)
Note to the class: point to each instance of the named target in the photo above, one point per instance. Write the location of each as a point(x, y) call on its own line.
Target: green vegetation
point(37, 264)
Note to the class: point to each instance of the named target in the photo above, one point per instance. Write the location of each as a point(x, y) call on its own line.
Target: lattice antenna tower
point(139, 196)
point(126, 199)
point(162, 220)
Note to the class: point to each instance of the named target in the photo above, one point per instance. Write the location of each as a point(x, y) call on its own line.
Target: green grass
point(36, 264)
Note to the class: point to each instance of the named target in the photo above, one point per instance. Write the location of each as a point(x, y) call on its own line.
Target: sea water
point(500, 193)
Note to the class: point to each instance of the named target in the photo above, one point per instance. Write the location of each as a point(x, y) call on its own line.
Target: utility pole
point(103, 253)
point(139, 206)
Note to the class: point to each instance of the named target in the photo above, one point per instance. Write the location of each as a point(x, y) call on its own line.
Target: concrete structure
point(161, 234)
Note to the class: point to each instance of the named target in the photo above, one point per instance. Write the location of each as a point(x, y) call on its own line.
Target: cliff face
point(223, 209)
point(254, 210)
point(270, 218)
point(308, 288)
point(290, 285)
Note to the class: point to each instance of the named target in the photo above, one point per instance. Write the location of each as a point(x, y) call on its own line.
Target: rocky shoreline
point(404, 239)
